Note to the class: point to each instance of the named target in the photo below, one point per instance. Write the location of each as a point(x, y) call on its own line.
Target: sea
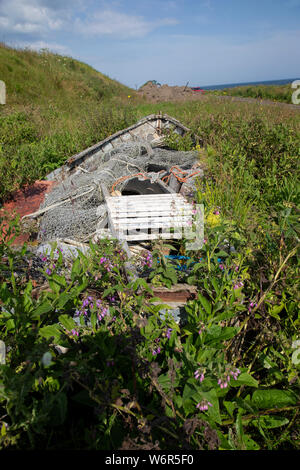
point(232, 85)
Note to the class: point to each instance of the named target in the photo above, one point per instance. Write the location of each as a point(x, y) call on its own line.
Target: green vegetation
point(227, 377)
point(281, 93)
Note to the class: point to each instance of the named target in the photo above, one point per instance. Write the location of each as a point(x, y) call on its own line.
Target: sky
point(199, 42)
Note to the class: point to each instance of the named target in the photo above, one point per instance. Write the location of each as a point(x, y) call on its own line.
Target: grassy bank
point(280, 93)
point(228, 378)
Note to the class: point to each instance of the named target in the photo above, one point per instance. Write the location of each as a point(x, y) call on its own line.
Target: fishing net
point(75, 208)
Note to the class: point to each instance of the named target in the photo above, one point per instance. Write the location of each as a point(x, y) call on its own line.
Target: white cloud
point(41, 17)
point(17, 16)
point(120, 25)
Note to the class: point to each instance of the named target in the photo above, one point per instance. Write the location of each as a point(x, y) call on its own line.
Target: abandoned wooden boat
point(150, 129)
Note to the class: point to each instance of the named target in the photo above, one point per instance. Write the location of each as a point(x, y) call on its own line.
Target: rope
point(123, 178)
point(180, 179)
point(165, 179)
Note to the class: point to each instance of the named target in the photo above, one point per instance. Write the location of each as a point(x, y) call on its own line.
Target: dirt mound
point(156, 93)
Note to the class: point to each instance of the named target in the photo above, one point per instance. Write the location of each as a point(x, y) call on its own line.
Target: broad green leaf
point(230, 407)
point(67, 322)
point(45, 307)
point(250, 444)
point(76, 268)
point(10, 324)
point(244, 379)
point(205, 303)
point(94, 320)
point(270, 422)
point(217, 334)
point(51, 331)
point(273, 398)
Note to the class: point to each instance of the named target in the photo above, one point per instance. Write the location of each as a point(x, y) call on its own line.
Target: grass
point(251, 198)
point(277, 93)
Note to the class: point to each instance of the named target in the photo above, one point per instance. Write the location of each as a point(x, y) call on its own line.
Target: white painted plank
point(154, 213)
point(153, 236)
point(148, 222)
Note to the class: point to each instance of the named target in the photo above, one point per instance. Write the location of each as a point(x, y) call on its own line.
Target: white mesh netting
point(75, 207)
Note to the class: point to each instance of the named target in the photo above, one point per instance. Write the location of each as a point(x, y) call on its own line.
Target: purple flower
point(223, 383)
point(199, 374)
point(169, 331)
point(221, 266)
point(203, 405)
point(48, 271)
point(74, 332)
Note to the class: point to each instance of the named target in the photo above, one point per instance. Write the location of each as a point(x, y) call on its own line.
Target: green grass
point(280, 93)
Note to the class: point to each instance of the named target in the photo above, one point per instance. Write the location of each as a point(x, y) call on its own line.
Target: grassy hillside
point(56, 106)
point(39, 78)
point(280, 93)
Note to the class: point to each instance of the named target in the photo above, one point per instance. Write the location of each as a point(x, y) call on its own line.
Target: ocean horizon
point(233, 85)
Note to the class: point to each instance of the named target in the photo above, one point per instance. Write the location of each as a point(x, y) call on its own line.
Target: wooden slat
point(154, 236)
point(136, 224)
point(132, 217)
point(156, 213)
point(146, 197)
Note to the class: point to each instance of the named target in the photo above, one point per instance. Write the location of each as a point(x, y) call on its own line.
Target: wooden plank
point(146, 213)
point(132, 217)
point(106, 195)
point(153, 236)
point(136, 223)
point(159, 196)
point(162, 210)
point(146, 202)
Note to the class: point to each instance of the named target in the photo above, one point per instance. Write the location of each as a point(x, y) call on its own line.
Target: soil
point(25, 201)
point(155, 94)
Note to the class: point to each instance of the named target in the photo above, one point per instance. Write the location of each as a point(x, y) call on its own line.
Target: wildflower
point(235, 373)
point(201, 328)
point(169, 331)
point(48, 271)
point(147, 259)
point(223, 383)
point(238, 285)
point(203, 405)
point(251, 305)
point(213, 219)
point(156, 351)
point(199, 374)
point(221, 266)
point(74, 332)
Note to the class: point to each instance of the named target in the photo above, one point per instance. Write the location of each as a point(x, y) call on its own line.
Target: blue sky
point(203, 42)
